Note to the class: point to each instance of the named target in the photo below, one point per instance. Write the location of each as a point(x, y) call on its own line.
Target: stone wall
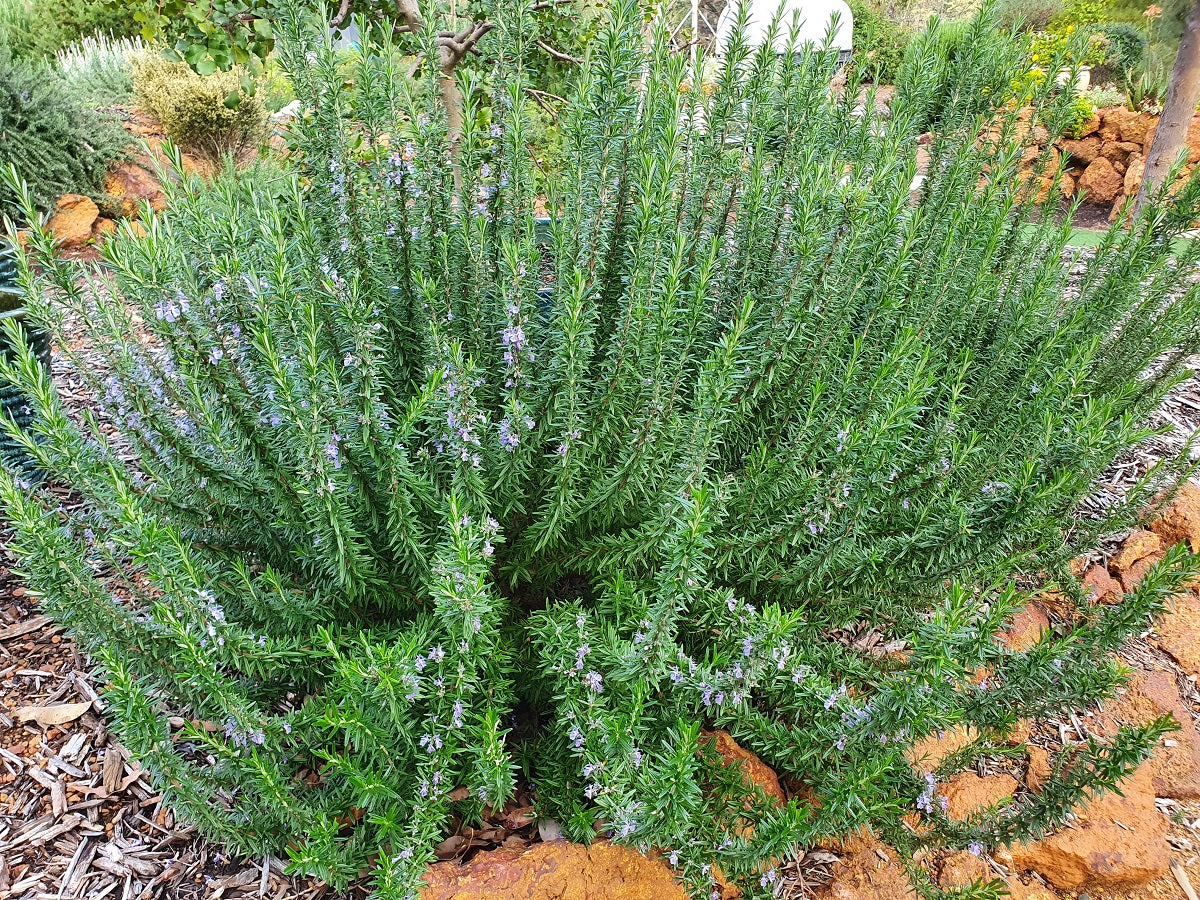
point(1105, 164)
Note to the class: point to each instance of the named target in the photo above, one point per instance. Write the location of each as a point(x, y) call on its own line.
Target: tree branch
point(558, 54)
point(341, 14)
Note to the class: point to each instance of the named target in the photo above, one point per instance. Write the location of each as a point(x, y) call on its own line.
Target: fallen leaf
point(59, 714)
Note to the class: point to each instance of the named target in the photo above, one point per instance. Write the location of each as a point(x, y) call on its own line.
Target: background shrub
point(98, 69)
point(879, 42)
point(38, 29)
point(61, 145)
point(402, 468)
point(1027, 15)
point(206, 113)
point(1127, 46)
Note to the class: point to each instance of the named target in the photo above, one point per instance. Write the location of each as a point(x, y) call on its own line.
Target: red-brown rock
point(1101, 587)
point(1174, 769)
point(1135, 169)
point(1113, 120)
point(73, 218)
point(1039, 768)
point(874, 873)
point(1100, 181)
point(1026, 629)
point(1114, 152)
point(558, 870)
point(969, 793)
point(1100, 853)
point(1178, 633)
point(1134, 128)
point(1139, 552)
point(1133, 576)
point(959, 870)
point(1192, 141)
point(1084, 150)
point(131, 184)
point(1180, 521)
point(927, 754)
point(103, 227)
point(754, 769)
point(1031, 890)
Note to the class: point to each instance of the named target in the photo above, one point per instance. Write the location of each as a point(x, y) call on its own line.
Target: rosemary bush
point(409, 476)
point(59, 144)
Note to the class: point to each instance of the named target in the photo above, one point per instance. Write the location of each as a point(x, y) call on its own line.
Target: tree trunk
point(1180, 106)
point(452, 100)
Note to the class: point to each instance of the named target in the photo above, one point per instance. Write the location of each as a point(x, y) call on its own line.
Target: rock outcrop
point(554, 871)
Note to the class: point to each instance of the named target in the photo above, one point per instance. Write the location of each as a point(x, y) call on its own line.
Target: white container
point(1083, 78)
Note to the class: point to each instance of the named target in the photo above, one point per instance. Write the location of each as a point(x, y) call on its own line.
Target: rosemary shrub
point(411, 474)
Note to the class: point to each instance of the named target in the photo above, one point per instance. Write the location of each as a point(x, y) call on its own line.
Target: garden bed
point(82, 820)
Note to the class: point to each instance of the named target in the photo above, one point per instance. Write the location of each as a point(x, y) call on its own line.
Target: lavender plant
point(408, 473)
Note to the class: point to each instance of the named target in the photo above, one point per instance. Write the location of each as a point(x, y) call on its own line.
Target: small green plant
point(1146, 87)
point(1079, 114)
point(62, 145)
point(98, 68)
point(210, 114)
point(405, 464)
point(1104, 97)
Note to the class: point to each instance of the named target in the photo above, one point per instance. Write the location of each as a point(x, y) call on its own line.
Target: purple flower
point(509, 438)
point(513, 336)
point(331, 450)
point(975, 848)
point(594, 680)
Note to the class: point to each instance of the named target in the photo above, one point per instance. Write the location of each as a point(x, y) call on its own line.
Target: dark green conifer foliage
point(402, 470)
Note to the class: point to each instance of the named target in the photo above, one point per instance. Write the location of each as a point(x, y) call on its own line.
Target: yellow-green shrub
point(207, 113)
